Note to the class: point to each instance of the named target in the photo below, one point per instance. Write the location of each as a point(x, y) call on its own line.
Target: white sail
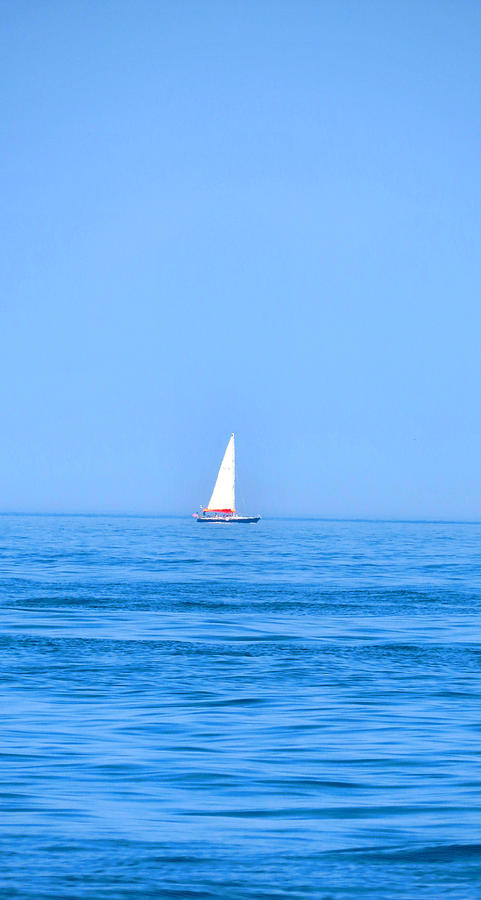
point(223, 495)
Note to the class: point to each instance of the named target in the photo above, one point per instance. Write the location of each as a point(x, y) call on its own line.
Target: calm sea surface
point(291, 709)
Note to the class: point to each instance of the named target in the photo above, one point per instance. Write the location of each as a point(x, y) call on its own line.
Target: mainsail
point(223, 495)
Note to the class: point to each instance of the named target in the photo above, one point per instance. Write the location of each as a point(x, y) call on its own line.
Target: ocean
point(284, 710)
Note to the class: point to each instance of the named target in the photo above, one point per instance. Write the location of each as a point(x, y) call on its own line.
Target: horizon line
point(308, 518)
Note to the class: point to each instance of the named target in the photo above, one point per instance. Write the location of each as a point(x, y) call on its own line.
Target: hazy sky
point(251, 216)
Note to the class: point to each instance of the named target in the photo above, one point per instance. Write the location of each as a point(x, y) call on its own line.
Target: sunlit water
point(291, 709)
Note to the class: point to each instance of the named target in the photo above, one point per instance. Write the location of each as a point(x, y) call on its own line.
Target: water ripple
point(290, 710)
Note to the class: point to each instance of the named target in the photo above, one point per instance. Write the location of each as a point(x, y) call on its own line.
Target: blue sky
point(251, 216)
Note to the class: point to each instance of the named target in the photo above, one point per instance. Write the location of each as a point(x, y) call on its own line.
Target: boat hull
point(229, 520)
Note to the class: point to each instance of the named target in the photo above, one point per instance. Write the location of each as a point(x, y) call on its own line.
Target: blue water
point(291, 709)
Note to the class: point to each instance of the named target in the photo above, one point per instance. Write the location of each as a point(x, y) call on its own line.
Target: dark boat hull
point(229, 520)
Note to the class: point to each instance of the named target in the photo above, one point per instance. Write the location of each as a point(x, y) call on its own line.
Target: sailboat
point(221, 506)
